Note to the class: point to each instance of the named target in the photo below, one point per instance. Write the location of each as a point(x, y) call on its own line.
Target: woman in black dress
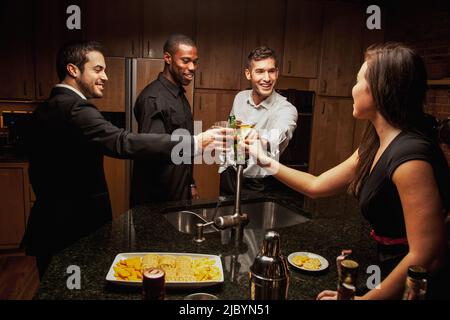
point(398, 173)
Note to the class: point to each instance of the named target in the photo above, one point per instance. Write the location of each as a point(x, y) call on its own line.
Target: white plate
point(323, 262)
point(169, 284)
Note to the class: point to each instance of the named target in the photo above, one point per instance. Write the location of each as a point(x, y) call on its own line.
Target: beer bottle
point(416, 283)
point(233, 124)
point(153, 284)
point(344, 255)
point(347, 281)
point(232, 121)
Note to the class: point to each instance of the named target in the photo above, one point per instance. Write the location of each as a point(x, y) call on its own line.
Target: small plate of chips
point(182, 270)
point(308, 261)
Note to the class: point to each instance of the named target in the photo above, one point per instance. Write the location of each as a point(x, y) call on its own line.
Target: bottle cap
point(349, 264)
point(153, 284)
point(417, 272)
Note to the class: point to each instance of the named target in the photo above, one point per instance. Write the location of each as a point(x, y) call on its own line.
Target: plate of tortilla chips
point(308, 261)
point(182, 270)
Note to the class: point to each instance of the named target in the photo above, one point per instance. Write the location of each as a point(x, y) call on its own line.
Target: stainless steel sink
point(262, 215)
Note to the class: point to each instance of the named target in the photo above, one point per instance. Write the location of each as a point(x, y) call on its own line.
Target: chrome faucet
point(237, 221)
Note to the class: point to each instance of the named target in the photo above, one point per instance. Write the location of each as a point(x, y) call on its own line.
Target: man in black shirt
point(162, 107)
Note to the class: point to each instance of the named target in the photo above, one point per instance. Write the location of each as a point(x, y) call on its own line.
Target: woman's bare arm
point(328, 183)
point(425, 226)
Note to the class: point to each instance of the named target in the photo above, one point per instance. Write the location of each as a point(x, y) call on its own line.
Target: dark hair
point(261, 53)
point(75, 53)
point(397, 80)
point(175, 40)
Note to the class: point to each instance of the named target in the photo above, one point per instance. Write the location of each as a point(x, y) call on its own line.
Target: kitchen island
point(144, 229)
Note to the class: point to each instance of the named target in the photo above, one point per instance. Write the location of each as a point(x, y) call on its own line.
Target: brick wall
point(438, 104)
point(426, 27)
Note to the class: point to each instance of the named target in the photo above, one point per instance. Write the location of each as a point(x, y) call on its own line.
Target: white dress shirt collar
point(63, 85)
point(266, 103)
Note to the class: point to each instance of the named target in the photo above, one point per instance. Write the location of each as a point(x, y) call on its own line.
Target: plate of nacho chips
point(307, 261)
point(182, 270)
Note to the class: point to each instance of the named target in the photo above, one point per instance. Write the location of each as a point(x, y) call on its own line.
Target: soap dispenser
point(269, 274)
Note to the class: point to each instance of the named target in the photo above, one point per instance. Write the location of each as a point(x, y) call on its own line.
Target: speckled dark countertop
point(143, 229)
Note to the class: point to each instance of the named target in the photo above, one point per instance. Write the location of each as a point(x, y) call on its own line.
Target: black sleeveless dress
point(379, 199)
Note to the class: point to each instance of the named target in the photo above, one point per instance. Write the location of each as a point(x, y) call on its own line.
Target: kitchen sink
point(262, 215)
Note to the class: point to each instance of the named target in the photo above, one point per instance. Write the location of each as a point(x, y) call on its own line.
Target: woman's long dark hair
point(397, 80)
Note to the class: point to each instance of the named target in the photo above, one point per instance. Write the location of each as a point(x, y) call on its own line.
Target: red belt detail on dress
point(388, 241)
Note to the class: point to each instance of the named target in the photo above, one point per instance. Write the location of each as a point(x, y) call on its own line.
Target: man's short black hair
point(174, 41)
point(75, 53)
point(261, 53)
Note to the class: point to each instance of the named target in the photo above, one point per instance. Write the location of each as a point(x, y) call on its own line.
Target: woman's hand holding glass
point(256, 147)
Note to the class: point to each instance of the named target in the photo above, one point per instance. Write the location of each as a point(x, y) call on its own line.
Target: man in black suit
point(162, 107)
point(67, 141)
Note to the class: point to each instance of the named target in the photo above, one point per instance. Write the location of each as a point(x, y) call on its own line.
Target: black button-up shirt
point(161, 107)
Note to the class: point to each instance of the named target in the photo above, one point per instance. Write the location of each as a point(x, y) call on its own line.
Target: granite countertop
point(144, 229)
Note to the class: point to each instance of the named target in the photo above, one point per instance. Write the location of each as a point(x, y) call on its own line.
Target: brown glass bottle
point(347, 281)
point(153, 284)
point(416, 283)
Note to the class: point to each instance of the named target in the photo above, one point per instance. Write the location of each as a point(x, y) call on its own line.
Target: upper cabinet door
point(303, 35)
point(163, 18)
point(257, 33)
point(219, 40)
point(16, 56)
point(115, 24)
point(51, 33)
point(332, 134)
point(341, 48)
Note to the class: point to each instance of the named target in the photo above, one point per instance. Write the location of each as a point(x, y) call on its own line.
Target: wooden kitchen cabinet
point(302, 40)
point(258, 34)
point(220, 40)
point(115, 24)
point(210, 106)
point(16, 56)
point(15, 203)
point(118, 180)
point(341, 48)
point(332, 142)
point(50, 34)
point(332, 135)
point(117, 171)
point(163, 18)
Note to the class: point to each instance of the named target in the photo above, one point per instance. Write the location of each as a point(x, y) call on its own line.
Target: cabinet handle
point(200, 104)
point(289, 66)
point(25, 88)
point(323, 108)
point(40, 89)
point(132, 47)
point(148, 48)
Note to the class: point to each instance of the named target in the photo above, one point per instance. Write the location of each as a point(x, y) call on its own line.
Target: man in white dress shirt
point(273, 116)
